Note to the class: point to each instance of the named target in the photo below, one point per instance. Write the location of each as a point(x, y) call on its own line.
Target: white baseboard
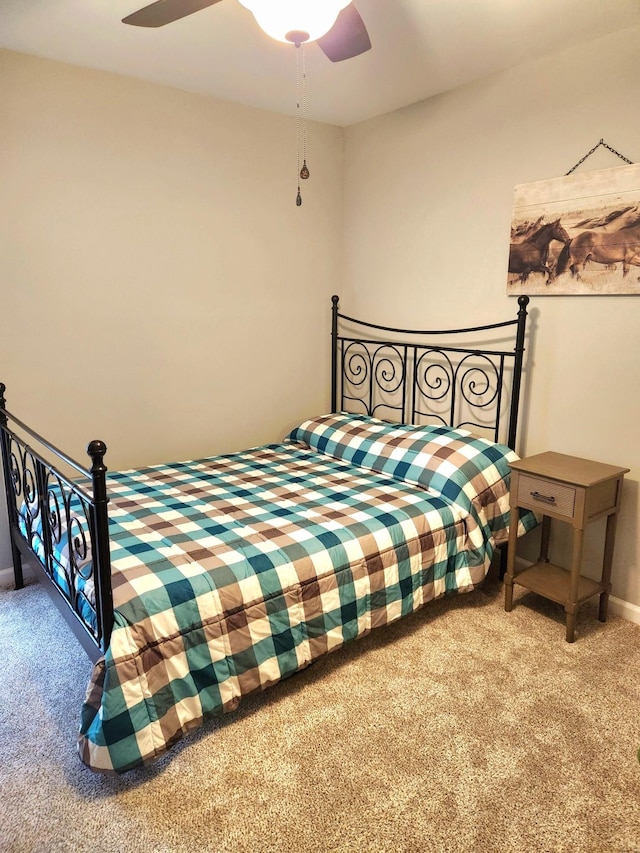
point(6, 575)
point(628, 611)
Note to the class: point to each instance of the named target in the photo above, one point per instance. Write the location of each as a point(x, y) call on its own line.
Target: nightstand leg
point(571, 606)
point(511, 558)
point(544, 539)
point(570, 631)
point(609, 541)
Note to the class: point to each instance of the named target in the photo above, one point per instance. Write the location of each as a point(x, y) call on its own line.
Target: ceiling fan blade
point(165, 11)
point(347, 37)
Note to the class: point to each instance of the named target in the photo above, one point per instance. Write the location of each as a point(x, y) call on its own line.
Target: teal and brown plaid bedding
point(232, 573)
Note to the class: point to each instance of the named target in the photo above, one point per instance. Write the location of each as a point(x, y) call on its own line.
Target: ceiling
point(420, 48)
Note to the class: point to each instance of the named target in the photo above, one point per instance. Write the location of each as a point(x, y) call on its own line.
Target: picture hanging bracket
point(595, 147)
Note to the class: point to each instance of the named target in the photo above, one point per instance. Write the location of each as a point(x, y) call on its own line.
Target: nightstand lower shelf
point(554, 582)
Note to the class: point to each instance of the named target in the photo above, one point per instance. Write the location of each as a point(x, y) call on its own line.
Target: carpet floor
point(461, 728)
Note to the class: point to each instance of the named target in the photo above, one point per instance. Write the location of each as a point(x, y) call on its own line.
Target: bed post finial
point(102, 562)
point(96, 450)
point(334, 352)
point(3, 388)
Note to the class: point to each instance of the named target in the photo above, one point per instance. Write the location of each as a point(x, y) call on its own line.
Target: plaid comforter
point(234, 572)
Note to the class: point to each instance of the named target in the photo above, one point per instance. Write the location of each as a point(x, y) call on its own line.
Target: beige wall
point(428, 196)
point(156, 232)
point(151, 246)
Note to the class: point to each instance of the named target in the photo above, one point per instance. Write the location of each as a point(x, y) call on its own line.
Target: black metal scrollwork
point(15, 470)
point(434, 379)
point(54, 517)
point(79, 548)
point(453, 388)
point(67, 526)
point(373, 374)
point(390, 368)
point(479, 382)
point(29, 481)
point(25, 484)
point(357, 364)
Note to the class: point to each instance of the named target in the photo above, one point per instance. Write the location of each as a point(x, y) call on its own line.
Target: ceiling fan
point(344, 39)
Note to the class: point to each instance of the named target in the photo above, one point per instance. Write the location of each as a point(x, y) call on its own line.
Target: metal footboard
point(60, 521)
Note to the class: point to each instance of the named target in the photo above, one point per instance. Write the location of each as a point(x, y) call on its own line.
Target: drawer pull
point(538, 496)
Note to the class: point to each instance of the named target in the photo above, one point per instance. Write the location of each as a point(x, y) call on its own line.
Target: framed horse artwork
point(577, 235)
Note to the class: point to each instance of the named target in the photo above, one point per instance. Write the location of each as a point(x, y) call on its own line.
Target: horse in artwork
point(531, 252)
point(604, 245)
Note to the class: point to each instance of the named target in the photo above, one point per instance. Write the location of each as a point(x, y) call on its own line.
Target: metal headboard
point(466, 378)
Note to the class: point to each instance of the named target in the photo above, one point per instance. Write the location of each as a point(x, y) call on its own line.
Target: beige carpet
point(462, 728)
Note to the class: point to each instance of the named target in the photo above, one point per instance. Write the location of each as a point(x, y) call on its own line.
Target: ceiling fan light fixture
point(295, 20)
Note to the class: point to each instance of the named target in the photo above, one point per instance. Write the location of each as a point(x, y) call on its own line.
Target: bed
point(194, 584)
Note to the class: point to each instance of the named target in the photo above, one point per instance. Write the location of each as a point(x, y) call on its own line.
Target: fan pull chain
point(304, 172)
point(301, 116)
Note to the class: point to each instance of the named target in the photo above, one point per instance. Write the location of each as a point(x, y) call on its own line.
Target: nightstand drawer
point(540, 494)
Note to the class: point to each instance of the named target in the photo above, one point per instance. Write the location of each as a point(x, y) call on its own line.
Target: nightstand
point(571, 490)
